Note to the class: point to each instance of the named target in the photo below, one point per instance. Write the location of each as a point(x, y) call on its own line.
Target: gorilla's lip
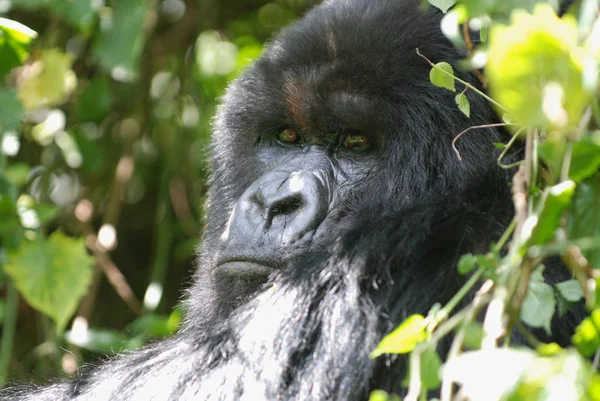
point(244, 268)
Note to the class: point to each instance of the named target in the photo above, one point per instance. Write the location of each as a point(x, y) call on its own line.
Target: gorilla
point(337, 208)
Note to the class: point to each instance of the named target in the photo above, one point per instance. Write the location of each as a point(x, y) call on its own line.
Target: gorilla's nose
point(276, 211)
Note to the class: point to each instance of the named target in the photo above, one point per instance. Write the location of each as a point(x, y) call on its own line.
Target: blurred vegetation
point(105, 113)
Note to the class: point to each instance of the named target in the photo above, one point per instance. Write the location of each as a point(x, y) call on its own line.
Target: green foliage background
point(105, 114)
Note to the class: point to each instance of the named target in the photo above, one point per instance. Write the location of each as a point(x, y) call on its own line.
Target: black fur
point(398, 217)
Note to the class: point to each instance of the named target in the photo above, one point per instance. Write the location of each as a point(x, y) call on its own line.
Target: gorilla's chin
point(303, 336)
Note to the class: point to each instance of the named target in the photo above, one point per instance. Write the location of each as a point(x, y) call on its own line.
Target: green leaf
point(463, 104)
point(46, 212)
point(430, 368)
point(79, 13)
point(551, 207)
point(11, 111)
point(483, 33)
point(539, 304)
point(95, 101)
point(18, 173)
point(151, 326)
point(570, 290)
point(587, 337)
point(584, 219)
point(442, 75)
point(585, 158)
point(564, 306)
point(52, 275)
point(488, 261)
point(121, 40)
point(499, 145)
point(11, 231)
point(404, 338)
point(443, 5)
point(467, 263)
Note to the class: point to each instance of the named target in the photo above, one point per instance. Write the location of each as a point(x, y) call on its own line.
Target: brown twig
point(469, 43)
point(457, 137)
point(116, 279)
point(181, 207)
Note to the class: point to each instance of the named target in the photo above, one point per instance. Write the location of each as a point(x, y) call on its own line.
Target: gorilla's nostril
point(286, 206)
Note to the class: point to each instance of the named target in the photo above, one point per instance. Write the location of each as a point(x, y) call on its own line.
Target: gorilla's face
point(336, 127)
point(337, 205)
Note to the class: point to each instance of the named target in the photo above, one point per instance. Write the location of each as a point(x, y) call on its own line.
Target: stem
point(8, 331)
point(447, 309)
point(457, 137)
point(414, 387)
point(2, 155)
point(505, 236)
point(507, 148)
point(596, 360)
point(489, 99)
point(566, 162)
point(482, 297)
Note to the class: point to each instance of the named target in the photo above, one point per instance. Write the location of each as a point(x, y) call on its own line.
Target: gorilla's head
point(337, 204)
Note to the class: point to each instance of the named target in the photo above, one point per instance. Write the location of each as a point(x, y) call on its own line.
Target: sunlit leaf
point(404, 338)
point(487, 374)
point(380, 395)
point(535, 68)
point(51, 274)
point(442, 75)
point(539, 304)
point(500, 8)
point(49, 80)
point(587, 336)
point(549, 349)
point(19, 32)
point(565, 376)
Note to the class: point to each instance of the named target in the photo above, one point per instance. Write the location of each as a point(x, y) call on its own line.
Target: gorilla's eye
point(356, 141)
point(288, 136)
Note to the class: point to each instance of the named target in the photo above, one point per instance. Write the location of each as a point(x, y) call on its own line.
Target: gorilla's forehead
point(347, 66)
point(367, 39)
